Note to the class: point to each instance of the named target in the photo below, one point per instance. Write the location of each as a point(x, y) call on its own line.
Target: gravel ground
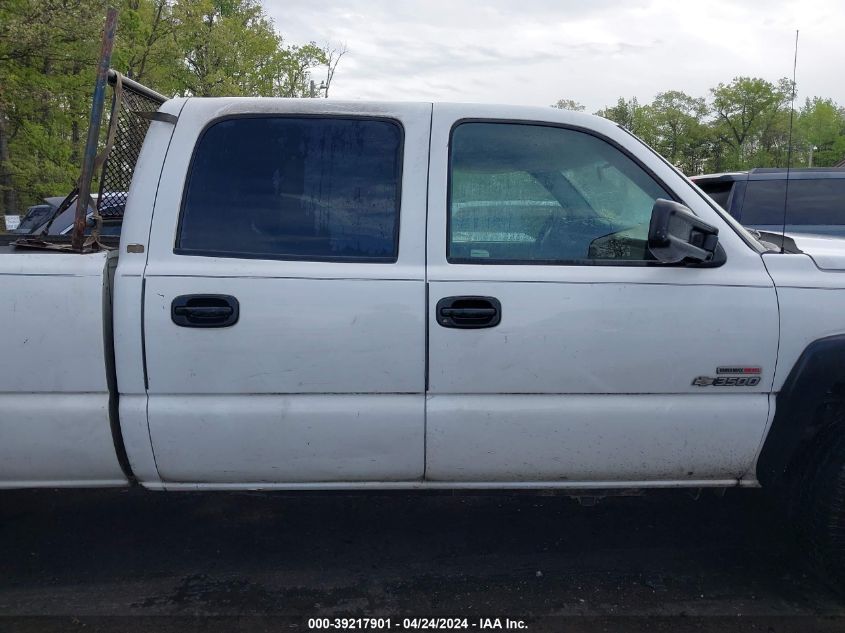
point(142, 561)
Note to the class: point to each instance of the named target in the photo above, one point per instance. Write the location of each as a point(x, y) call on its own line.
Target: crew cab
point(312, 294)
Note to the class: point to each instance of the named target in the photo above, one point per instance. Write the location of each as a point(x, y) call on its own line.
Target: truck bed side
point(54, 395)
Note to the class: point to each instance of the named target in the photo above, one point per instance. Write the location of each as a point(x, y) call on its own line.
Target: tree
point(744, 109)
point(622, 113)
point(48, 55)
point(293, 69)
point(333, 56)
point(679, 129)
point(227, 47)
point(47, 64)
point(569, 104)
point(821, 132)
point(146, 50)
point(230, 47)
point(633, 117)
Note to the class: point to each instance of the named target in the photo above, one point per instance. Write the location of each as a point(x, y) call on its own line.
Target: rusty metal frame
point(129, 119)
point(89, 158)
point(133, 107)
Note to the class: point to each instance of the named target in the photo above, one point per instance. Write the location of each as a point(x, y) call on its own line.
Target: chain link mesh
point(128, 138)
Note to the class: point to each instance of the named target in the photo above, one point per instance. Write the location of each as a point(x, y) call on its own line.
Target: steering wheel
point(570, 239)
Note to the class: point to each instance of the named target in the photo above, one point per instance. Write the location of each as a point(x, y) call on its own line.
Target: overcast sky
point(537, 51)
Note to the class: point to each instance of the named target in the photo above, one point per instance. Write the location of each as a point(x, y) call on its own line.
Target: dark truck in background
point(35, 217)
point(816, 201)
point(44, 219)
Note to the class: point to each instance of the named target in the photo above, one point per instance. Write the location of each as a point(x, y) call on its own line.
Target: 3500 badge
point(730, 377)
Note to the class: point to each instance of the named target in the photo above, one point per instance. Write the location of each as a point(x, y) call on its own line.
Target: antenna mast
point(789, 144)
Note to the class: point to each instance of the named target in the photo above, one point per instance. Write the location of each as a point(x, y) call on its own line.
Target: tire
point(822, 513)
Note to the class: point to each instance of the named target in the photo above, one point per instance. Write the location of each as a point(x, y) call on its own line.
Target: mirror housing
point(677, 236)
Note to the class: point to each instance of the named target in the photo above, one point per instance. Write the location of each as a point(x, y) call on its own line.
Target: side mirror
point(675, 235)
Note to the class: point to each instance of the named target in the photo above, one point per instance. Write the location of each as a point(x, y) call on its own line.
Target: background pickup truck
point(816, 199)
point(318, 294)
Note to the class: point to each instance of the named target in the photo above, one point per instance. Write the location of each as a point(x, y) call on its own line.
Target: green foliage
point(48, 56)
point(228, 47)
point(633, 117)
point(821, 126)
point(678, 130)
point(569, 104)
point(743, 124)
point(749, 122)
point(46, 74)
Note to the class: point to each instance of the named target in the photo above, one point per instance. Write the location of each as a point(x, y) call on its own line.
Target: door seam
point(427, 367)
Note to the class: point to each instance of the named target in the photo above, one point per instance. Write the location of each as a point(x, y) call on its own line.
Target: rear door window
point(302, 188)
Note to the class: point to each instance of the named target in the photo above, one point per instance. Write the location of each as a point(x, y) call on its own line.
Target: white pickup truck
point(312, 294)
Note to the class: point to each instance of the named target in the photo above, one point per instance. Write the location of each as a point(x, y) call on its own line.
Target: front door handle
point(205, 310)
point(469, 312)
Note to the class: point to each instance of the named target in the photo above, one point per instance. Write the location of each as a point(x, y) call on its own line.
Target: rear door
point(284, 295)
point(559, 351)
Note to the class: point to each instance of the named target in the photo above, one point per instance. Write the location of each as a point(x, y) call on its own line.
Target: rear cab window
point(294, 188)
point(720, 192)
point(816, 201)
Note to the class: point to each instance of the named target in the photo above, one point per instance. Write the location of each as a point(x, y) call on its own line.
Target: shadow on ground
point(94, 557)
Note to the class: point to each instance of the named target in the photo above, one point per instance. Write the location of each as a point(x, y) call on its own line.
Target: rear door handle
point(205, 310)
point(469, 312)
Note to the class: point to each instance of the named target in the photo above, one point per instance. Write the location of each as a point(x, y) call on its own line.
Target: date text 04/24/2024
point(387, 624)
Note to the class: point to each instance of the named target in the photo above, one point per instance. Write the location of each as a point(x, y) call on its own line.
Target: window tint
point(294, 188)
point(820, 201)
point(719, 191)
point(34, 218)
point(529, 193)
point(764, 202)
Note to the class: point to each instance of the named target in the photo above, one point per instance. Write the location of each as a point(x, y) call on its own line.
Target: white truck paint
point(339, 375)
point(54, 396)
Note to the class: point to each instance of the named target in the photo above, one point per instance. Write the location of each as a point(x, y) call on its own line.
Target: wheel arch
point(816, 381)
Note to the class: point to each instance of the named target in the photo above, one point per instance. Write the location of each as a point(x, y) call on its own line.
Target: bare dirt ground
point(141, 561)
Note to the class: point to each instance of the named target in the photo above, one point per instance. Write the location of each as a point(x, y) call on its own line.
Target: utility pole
point(321, 88)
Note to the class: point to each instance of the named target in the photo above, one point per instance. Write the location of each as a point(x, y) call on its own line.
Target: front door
point(559, 350)
point(284, 312)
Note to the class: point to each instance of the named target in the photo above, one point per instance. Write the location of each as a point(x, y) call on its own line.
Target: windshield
point(35, 217)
